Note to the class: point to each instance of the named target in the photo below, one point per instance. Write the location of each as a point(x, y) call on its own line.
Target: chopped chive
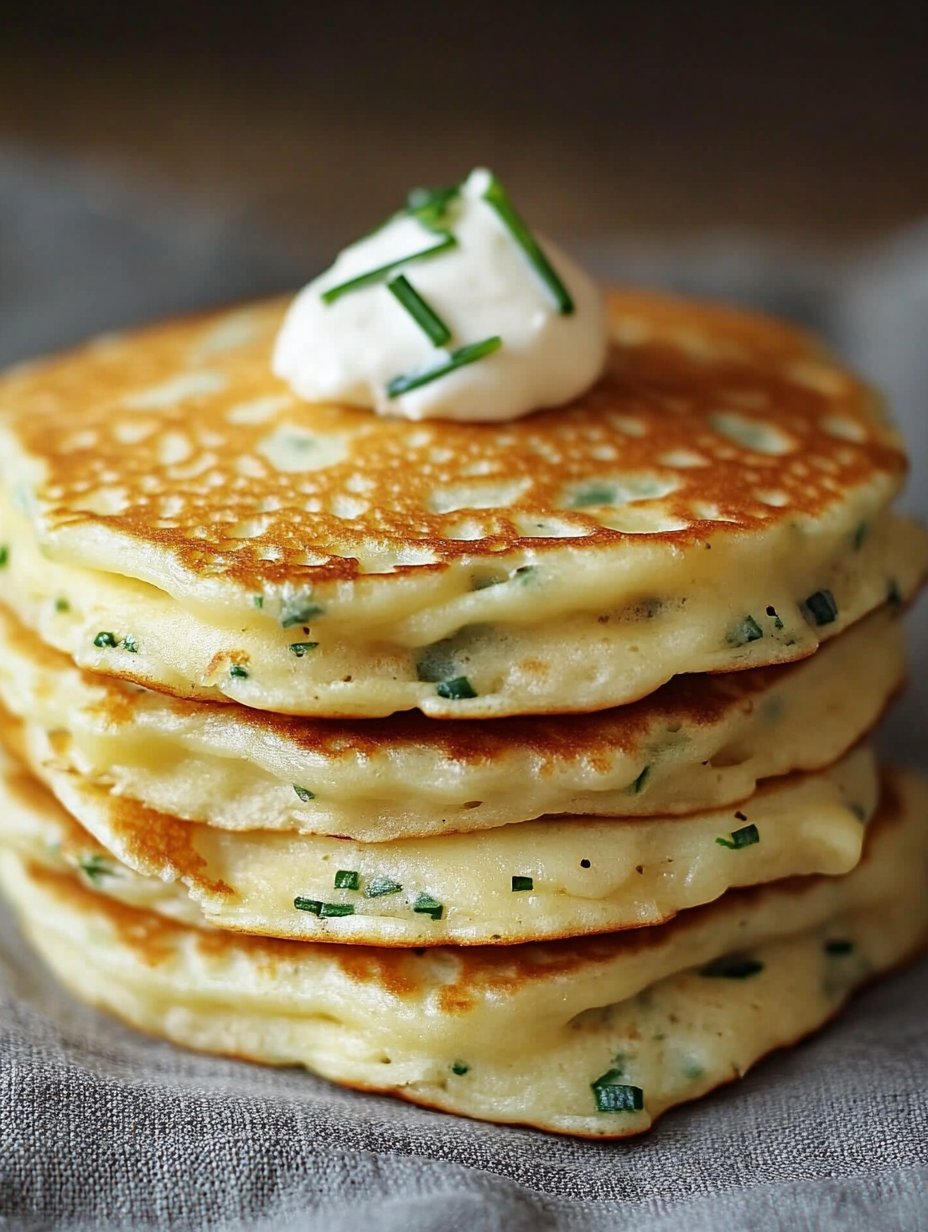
point(4, 555)
point(62, 605)
point(893, 593)
point(859, 811)
point(304, 793)
point(347, 879)
point(459, 689)
point(732, 967)
point(839, 946)
point(95, 867)
point(614, 1096)
point(497, 197)
point(258, 601)
point(105, 640)
point(426, 905)
point(522, 883)
point(460, 1068)
point(775, 616)
point(378, 887)
point(860, 535)
point(382, 271)
point(298, 612)
point(238, 672)
point(747, 630)
point(430, 205)
point(315, 907)
point(635, 788)
point(456, 359)
point(130, 644)
point(747, 836)
point(424, 316)
point(300, 649)
point(820, 608)
point(592, 496)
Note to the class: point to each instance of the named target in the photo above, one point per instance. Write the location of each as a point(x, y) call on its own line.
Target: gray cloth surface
point(103, 1128)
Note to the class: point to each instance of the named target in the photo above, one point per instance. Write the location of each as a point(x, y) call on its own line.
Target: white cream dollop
point(350, 350)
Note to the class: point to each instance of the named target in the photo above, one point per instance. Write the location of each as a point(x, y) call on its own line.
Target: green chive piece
point(130, 644)
point(238, 672)
point(4, 555)
point(430, 205)
point(105, 641)
point(893, 594)
point(820, 608)
point(732, 967)
point(747, 630)
point(774, 616)
point(592, 496)
point(522, 883)
point(638, 786)
point(747, 836)
point(347, 879)
point(95, 868)
point(860, 535)
point(258, 601)
point(315, 907)
point(614, 1096)
point(383, 271)
point(62, 605)
point(460, 1068)
point(459, 689)
point(378, 887)
point(297, 612)
point(301, 649)
point(426, 905)
point(456, 359)
point(424, 316)
point(839, 946)
point(497, 197)
point(304, 793)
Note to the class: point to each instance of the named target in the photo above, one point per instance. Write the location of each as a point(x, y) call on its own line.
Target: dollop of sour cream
point(451, 311)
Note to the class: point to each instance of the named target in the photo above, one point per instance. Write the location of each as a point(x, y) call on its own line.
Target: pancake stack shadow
point(520, 771)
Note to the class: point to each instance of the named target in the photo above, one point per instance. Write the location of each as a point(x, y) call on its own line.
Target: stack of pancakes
point(519, 770)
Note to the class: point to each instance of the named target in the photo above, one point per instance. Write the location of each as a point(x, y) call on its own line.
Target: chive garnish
point(426, 905)
point(839, 946)
point(614, 1096)
point(747, 630)
point(238, 672)
point(635, 788)
point(460, 1068)
point(497, 197)
point(324, 910)
point(732, 967)
point(378, 887)
point(893, 593)
point(4, 555)
point(304, 793)
point(296, 612)
point(774, 615)
point(456, 359)
point(747, 836)
point(105, 640)
point(430, 205)
point(94, 868)
point(383, 271)
point(459, 689)
point(347, 879)
point(820, 608)
point(593, 496)
point(299, 649)
point(860, 535)
point(258, 601)
point(62, 605)
point(130, 644)
point(522, 883)
point(424, 316)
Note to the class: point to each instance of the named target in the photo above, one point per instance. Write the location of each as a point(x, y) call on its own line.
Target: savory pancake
point(174, 516)
point(594, 1037)
point(560, 877)
point(699, 743)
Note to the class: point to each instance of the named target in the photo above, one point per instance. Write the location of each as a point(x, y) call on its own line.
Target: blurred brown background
point(805, 119)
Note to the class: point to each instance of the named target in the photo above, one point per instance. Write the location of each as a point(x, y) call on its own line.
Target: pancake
point(173, 516)
point(699, 743)
point(554, 878)
point(595, 1037)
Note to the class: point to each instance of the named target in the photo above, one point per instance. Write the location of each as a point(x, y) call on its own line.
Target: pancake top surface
point(180, 440)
